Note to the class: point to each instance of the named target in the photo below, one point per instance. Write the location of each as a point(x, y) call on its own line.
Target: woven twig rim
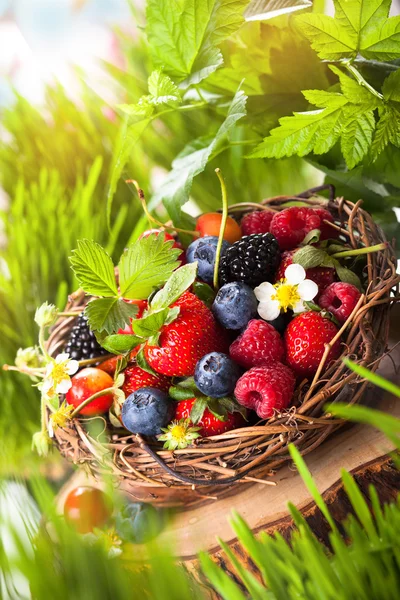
point(215, 466)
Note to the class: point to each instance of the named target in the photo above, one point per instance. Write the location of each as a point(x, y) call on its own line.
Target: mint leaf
point(176, 285)
point(356, 137)
point(93, 269)
point(175, 189)
point(198, 408)
point(145, 265)
point(120, 343)
point(109, 314)
point(359, 27)
point(183, 36)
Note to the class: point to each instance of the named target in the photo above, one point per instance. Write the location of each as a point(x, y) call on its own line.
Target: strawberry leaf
point(179, 393)
point(145, 265)
point(347, 276)
point(151, 324)
point(232, 406)
point(120, 343)
point(312, 237)
point(309, 257)
point(217, 408)
point(143, 364)
point(109, 314)
point(198, 408)
point(176, 285)
point(93, 269)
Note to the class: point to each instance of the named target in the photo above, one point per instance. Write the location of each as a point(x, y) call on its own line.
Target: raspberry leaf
point(145, 265)
point(109, 314)
point(93, 269)
point(198, 408)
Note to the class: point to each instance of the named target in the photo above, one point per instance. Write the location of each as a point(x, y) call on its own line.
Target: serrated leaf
point(109, 314)
point(356, 137)
point(312, 237)
point(217, 408)
point(347, 276)
point(174, 192)
point(391, 87)
point(120, 343)
point(94, 269)
point(309, 257)
point(354, 91)
point(176, 285)
point(162, 89)
point(198, 408)
point(359, 27)
point(387, 130)
point(232, 405)
point(142, 109)
point(183, 37)
point(145, 265)
point(323, 99)
point(151, 324)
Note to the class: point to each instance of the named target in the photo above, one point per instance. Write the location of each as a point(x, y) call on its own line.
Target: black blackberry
point(253, 259)
point(82, 343)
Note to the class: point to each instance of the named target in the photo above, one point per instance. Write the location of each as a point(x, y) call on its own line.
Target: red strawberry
point(209, 423)
point(183, 342)
point(110, 364)
point(136, 378)
point(291, 225)
point(322, 276)
point(305, 339)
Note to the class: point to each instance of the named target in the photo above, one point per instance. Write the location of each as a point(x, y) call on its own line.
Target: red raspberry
point(291, 225)
point(322, 276)
point(257, 345)
point(340, 299)
point(136, 378)
point(209, 424)
point(327, 232)
point(305, 339)
point(265, 389)
point(258, 221)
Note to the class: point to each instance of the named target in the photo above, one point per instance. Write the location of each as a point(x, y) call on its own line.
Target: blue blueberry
point(216, 375)
point(235, 305)
point(203, 250)
point(138, 522)
point(146, 411)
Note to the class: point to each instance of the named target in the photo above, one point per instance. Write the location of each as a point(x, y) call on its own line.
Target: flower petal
point(72, 367)
point(63, 386)
point(294, 274)
point(49, 368)
point(269, 310)
point(60, 358)
point(307, 290)
point(264, 291)
point(47, 385)
point(299, 307)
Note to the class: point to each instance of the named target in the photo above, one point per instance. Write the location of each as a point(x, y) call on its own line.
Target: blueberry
point(216, 375)
point(138, 522)
point(235, 305)
point(146, 411)
point(203, 250)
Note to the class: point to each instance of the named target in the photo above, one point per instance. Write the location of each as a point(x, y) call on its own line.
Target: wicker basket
point(220, 465)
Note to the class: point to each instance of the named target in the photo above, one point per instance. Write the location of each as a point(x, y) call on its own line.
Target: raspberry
point(340, 299)
point(82, 343)
point(305, 339)
point(253, 259)
point(258, 221)
point(265, 389)
point(291, 225)
point(257, 345)
point(322, 276)
point(136, 378)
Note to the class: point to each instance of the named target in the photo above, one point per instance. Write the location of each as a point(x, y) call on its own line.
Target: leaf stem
point(42, 343)
point(222, 227)
point(38, 372)
point(150, 216)
point(359, 251)
point(82, 405)
point(347, 63)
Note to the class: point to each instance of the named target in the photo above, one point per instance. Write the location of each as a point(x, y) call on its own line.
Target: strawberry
point(188, 338)
point(142, 305)
point(136, 378)
point(209, 423)
point(305, 339)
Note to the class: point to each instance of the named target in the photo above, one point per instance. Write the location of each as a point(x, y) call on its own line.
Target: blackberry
point(253, 259)
point(82, 343)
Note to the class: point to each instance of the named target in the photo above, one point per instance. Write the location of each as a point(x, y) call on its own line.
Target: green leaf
point(151, 324)
point(374, 378)
point(94, 269)
point(109, 314)
point(205, 292)
point(198, 408)
point(359, 27)
point(145, 265)
point(356, 137)
point(120, 343)
point(353, 90)
point(387, 130)
point(183, 36)
point(231, 405)
point(309, 257)
point(391, 87)
point(261, 10)
point(143, 364)
point(175, 190)
point(179, 393)
point(177, 284)
point(347, 275)
point(163, 90)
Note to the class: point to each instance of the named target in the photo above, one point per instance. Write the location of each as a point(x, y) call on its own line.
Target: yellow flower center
point(286, 294)
point(61, 416)
point(178, 432)
point(59, 372)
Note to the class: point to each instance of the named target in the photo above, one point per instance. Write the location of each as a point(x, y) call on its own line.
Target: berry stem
point(42, 343)
point(38, 372)
point(358, 251)
point(82, 405)
point(223, 225)
point(150, 217)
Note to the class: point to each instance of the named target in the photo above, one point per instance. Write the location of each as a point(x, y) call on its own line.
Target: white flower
point(57, 375)
point(290, 292)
